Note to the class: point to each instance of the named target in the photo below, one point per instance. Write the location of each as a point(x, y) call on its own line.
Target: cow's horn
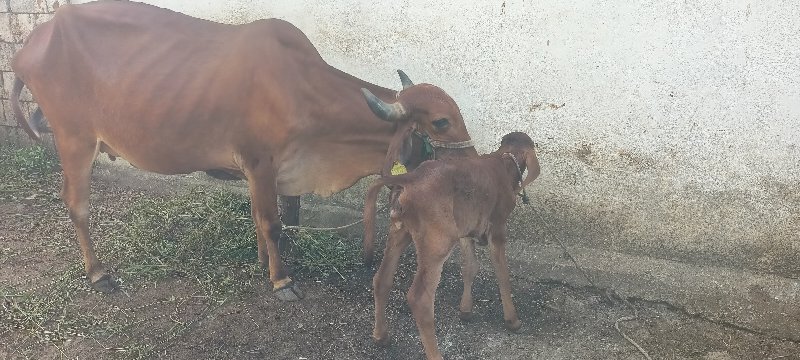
point(386, 111)
point(405, 80)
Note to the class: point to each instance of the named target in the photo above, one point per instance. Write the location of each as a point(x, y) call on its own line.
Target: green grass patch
point(25, 169)
point(207, 236)
point(323, 253)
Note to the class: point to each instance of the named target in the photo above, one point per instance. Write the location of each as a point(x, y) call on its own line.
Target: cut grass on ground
point(204, 237)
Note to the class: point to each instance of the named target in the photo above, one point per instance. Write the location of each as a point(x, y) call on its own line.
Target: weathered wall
point(665, 128)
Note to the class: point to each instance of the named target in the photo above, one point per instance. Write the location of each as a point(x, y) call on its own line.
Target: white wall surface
point(679, 132)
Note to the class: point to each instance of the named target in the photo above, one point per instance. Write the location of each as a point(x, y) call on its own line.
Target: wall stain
point(584, 152)
point(539, 105)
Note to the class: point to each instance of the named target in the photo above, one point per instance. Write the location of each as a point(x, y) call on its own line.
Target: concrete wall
point(668, 130)
point(665, 128)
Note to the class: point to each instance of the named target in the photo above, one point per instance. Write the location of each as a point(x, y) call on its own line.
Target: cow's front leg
point(264, 200)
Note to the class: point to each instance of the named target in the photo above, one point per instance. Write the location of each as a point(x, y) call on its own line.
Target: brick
point(31, 6)
point(5, 29)
point(8, 115)
point(8, 85)
point(7, 51)
point(8, 118)
point(22, 24)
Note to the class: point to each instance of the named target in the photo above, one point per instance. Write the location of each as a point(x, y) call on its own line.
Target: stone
point(22, 24)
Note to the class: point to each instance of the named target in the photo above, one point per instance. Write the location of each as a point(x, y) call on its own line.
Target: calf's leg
point(77, 156)
point(497, 249)
point(469, 270)
point(384, 279)
point(431, 255)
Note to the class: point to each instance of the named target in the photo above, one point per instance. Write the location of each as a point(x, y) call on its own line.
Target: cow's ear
point(386, 111)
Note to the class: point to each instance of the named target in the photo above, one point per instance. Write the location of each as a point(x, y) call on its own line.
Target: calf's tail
point(395, 183)
point(29, 125)
point(370, 209)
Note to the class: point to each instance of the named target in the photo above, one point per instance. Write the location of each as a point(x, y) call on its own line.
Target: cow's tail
point(370, 210)
point(31, 126)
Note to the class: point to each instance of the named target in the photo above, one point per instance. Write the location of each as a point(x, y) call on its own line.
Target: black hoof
point(289, 292)
point(105, 284)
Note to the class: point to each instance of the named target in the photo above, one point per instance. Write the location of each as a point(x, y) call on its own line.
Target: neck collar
point(523, 194)
point(429, 145)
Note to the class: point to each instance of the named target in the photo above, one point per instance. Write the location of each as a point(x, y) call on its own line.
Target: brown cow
point(174, 94)
point(439, 203)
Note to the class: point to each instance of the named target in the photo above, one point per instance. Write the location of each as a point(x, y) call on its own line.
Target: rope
point(634, 343)
point(297, 227)
point(293, 227)
point(591, 283)
point(452, 145)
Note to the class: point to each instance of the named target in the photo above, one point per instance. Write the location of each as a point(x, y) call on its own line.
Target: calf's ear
point(532, 164)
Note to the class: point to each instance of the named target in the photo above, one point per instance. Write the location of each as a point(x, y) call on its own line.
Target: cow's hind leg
point(469, 270)
point(264, 202)
point(383, 280)
point(76, 162)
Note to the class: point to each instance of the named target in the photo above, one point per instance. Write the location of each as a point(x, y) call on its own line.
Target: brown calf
point(439, 203)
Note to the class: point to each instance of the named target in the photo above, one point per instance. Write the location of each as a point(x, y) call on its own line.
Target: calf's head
point(519, 147)
point(425, 118)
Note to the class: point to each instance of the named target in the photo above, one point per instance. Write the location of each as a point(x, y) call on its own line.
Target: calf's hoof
point(104, 284)
point(288, 292)
point(513, 325)
point(382, 340)
point(465, 315)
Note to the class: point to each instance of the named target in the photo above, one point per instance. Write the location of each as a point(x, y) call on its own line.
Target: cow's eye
point(440, 123)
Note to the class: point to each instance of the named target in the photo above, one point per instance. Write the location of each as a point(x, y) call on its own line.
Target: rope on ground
point(591, 283)
point(308, 228)
point(634, 343)
point(320, 228)
point(569, 255)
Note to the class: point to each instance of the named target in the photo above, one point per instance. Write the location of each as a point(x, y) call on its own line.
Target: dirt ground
point(172, 318)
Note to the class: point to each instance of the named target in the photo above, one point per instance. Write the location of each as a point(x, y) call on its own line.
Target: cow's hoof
point(105, 284)
point(382, 341)
point(289, 292)
point(513, 325)
point(465, 316)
